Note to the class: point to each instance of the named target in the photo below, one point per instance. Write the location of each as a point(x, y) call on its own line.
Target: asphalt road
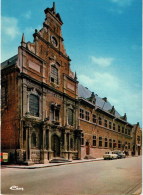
point(107, 177)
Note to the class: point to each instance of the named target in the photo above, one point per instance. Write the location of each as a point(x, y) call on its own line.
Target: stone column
point(50, 152)
point(70, 152)
point(65, 142)
point(28, 147)
point(65, 146)
point(44, 152)
point(79, 145)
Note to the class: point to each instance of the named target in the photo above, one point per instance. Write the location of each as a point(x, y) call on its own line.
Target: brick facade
point(41, 105)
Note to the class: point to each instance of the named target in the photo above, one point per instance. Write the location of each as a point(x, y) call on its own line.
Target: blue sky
point(102, 37)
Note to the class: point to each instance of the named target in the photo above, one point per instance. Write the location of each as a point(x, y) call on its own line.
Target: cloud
point(119, 93)
point(27, 15)
point(122, 3)
point(10, 27)
point(103, 62)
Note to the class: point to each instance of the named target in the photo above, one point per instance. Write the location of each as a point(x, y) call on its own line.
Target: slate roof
point(86, 93)
point(11, 61)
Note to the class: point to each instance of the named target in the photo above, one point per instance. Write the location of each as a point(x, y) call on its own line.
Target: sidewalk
point(37, 166)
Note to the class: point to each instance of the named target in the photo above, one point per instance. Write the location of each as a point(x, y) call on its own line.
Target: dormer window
point(54, 74)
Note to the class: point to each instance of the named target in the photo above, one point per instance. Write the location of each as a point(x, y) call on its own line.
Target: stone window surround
point(81, 113)
point(87, 116)
point(55, 64)
point(71, 107)
point(94, 143)
point(34, 92)
point(94, 118)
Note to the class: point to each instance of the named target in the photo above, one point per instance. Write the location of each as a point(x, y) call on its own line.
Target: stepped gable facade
point(46, 113)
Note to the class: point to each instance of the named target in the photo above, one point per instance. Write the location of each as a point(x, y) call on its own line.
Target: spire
point(23, 41)
point(75, 77)
point(54, 7)
point(23, 38)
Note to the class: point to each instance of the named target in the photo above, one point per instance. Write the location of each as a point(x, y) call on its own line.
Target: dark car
point(120, 154)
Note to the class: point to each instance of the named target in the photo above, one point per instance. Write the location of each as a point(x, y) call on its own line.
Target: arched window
point(34, 105)
point(54, 74)
point(33, 140)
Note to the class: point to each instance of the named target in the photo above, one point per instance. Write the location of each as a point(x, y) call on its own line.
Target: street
point(106, 177)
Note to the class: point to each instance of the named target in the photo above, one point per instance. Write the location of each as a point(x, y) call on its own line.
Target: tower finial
point(75, 77)
point(23, 41)
point(54, 7)
point(23, 38)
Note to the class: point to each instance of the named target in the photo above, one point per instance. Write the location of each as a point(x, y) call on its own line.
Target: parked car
point(110, 155)
point(120, 154)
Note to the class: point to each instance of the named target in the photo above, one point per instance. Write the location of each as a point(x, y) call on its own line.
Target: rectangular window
point(119, 144)
point(105, 123)
point(82, 139)
point(81, 113)
point(54, 74)
point(106, 143)
point(100, 121)
point(123, 129)
point(94, 140)
point(110, 125)
point(110, 143)
point(114, 144)
point(129, 132)
point(70, 116)
point(87, 115)
point(119, 128)
point(94, 118)
point(100, 141)
point(114, 126)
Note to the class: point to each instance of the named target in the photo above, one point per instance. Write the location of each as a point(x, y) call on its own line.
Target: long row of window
point(107, 143)
point(105, 122)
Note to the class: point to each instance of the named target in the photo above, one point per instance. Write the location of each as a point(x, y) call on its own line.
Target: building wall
point(10, 111)
point(90, 129)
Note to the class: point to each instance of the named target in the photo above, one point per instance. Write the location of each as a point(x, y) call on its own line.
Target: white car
point(110, 155)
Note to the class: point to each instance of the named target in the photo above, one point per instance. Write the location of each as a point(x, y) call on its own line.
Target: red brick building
point(46, 113)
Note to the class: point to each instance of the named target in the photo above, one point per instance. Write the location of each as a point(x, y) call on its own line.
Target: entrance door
point(138, 150)
point(87, 148)
point(56, 145)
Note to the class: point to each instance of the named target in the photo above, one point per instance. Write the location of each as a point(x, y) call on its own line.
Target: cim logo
point(16, 188)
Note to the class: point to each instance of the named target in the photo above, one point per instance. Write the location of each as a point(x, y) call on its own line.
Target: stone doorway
point(56, 145)
point(138, 150)
point(87, 148)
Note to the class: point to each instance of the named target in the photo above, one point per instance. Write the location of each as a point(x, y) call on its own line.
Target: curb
point(52, 165)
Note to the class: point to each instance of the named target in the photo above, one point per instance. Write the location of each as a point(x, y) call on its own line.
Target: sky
point(102, 38)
